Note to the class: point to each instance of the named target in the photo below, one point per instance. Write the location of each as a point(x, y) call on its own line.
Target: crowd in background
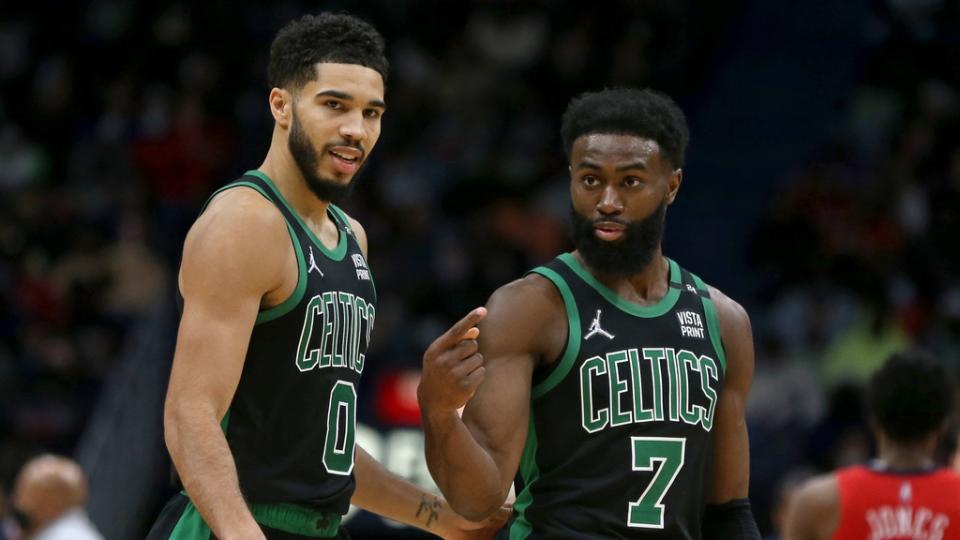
point(117, 120)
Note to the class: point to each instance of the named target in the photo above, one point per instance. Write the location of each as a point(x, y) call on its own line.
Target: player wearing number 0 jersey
point(610, 382)
point(278, 307)
point(313, 347)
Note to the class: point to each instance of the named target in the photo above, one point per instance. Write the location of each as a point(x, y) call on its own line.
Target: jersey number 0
point(341, 429)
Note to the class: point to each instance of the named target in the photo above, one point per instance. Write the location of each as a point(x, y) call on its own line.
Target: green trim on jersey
point(713, 321)
point(281, 309)
point(521, 528)
point(190, 526)
point(225, 423)
point(664, 305)
point(573, 334)
point(296, 519)
point(291, 302)
point(346, 221)
point(289, 518)
point(335, 254)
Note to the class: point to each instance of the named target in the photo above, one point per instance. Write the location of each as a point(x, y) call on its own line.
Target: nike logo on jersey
point(691, 324)
point(313, 263)
point(595, 329)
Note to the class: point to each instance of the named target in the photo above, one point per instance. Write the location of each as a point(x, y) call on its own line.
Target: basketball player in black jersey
point(278, 307)
point(611, 379)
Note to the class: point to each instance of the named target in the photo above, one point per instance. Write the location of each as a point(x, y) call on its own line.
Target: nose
point(352, 127)
point(610, 202)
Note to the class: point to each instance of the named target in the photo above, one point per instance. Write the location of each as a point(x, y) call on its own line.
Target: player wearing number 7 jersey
point(609, 383)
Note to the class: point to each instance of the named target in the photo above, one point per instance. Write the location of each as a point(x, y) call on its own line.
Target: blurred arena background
point(822, 190)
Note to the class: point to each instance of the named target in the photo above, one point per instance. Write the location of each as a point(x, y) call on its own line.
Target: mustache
point(618, 221)
point(355, 145)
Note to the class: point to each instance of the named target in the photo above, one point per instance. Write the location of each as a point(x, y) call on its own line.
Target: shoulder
point(818, 494)
point(523, 314)
point(732, 315)
point(240, 210)
point(736, 336)
point(815, 509)
point(240, 236)
point(530, 294)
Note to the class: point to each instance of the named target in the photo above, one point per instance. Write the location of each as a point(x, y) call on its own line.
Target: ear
point(673, 185)
point(281, 107)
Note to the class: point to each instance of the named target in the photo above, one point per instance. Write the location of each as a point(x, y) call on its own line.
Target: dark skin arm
point(731, 446)
point(474, 459)
point(815, 511)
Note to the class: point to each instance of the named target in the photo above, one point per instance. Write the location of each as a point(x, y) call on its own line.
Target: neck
point(280, 166)
point(906, 456)
point(648, 286)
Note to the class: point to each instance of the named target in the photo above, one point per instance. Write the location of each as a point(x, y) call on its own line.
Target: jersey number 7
point(647, 512)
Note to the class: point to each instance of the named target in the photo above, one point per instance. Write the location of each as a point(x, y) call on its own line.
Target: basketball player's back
point(880, 504)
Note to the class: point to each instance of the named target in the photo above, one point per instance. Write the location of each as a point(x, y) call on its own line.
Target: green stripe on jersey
point(572, 348)
point(664, 305)
point(284, 307)
point(190, 526)
point(287, 305)
point(713, 321)
point(529, 471)
point(336, 253)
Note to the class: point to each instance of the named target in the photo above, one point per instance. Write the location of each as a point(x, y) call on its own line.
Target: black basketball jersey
point(292, 423)
point(619, 441)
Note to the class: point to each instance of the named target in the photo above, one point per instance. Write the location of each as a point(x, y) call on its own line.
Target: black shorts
point(180, 520)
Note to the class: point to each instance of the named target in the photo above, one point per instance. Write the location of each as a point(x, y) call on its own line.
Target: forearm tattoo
point(429, 509)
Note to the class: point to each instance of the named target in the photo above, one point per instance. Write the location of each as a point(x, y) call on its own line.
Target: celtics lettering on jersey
point(648, 385)
point(333, 326)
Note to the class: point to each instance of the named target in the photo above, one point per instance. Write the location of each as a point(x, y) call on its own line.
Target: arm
point(232, 257)
point(814, 513)
point(474, 459)
point(384, 493)
point(728, 512)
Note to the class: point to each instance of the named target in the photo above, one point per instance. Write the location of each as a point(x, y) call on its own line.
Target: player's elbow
point(478, 505)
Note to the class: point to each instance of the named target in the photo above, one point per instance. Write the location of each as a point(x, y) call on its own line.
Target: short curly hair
point(911, 396)
point(628, 111)
point(327, 37)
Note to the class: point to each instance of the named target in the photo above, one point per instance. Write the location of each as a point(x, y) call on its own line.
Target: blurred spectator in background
point(48, 501)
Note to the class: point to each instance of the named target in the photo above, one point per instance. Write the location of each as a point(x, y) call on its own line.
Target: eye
point(632, 181)
point(371, 113)
point(590, 180)
point(333, 104)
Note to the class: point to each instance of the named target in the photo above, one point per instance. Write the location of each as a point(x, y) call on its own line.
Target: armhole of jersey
point(529, 471)
point(284, 307)
point(572, 348)
point(287, 305)
point(713, 322)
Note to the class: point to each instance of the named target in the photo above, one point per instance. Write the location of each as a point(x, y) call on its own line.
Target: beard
point(307, 158)
point(630, 254)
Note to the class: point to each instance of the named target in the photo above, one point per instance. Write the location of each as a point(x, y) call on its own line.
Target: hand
point(452, 366)
point(462, 529)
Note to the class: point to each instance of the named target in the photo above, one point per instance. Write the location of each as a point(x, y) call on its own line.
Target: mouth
point(346, 159)
point(609, 231)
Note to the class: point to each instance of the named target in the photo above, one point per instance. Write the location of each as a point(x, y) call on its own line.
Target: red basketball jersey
point(877, 505)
